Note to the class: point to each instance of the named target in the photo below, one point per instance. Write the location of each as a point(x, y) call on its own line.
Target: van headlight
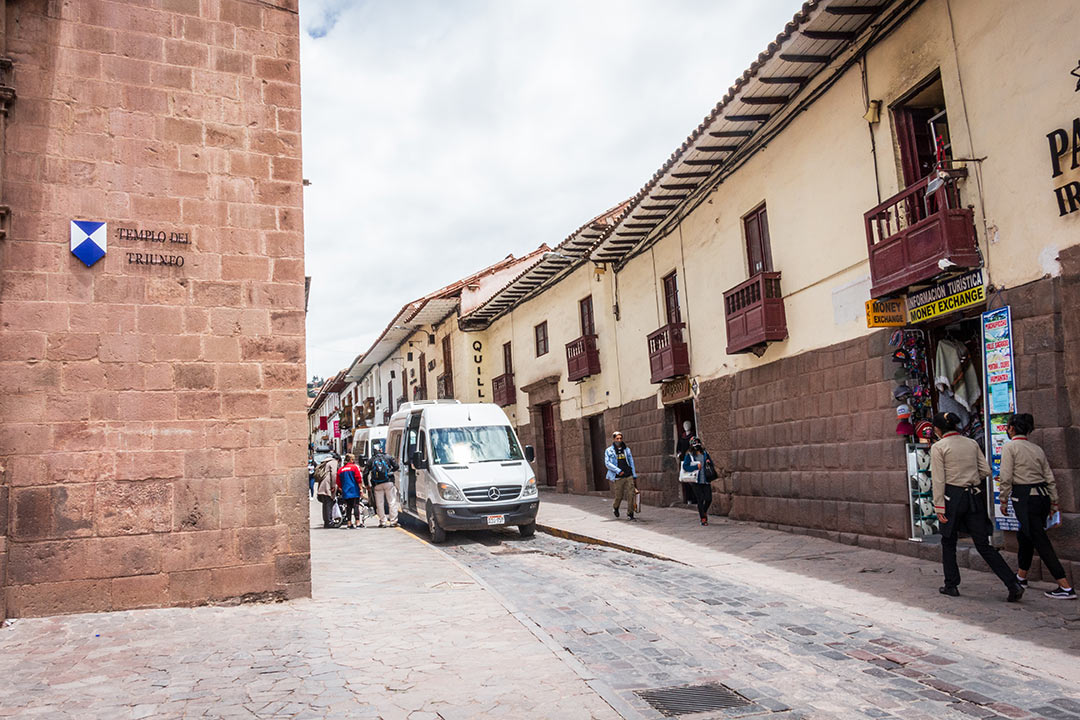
point(450, 492)
point(530, 488)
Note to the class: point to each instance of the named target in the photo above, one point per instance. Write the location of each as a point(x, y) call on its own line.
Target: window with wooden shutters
point(585, 309)
point(671, 299)
point(447, 359)
point(758, 250)
point(508, 359)
point(541, 331)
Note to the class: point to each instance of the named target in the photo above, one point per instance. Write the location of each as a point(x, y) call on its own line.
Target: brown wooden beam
point(747, 118)
point(765, 100)
point(661, 208)
point(690, 175)
point(716, 148)
point(731, 133)
point(854, 9)
point(703, 162)
point(677, 198)
point(784, 80)
point(679, 186)
point(844, 35)
point(800, 58)
point(646, 226)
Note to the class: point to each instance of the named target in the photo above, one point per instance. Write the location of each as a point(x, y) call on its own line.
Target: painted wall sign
point(337, 428)
point(1065, 150)
point(946, 297)
point(89, 240)
point(478, 358)
point(885, 313)
point(999, 399)
point(164, 240)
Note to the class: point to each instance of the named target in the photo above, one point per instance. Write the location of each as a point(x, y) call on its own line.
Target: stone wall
point(152, 417)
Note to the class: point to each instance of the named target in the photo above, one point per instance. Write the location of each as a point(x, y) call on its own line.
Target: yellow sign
point(885, 313)
point(947, 297)
point(675, 391)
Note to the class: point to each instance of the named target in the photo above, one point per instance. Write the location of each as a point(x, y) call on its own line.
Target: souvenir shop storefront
point(953, 352)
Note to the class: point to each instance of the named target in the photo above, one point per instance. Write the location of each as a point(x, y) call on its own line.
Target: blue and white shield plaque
point(88, 240)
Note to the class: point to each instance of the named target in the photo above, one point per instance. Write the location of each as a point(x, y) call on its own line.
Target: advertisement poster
point(1000, 396)
point(337, 428)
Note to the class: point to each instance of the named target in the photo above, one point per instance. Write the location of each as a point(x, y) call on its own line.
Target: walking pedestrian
point(1027, 478)
point(349, 478)
point(957, 469)
point(620, 467)
point(698, 462)
point(379, 473)
point(326, 474)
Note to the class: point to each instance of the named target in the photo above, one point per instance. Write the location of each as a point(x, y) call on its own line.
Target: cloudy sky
point(442, 135)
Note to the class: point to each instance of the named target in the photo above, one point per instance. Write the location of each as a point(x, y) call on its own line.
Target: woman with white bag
point(698, 470)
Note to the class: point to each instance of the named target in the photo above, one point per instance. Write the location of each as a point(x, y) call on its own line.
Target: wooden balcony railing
point(668, 355)
point(755, 313)
point(582, 358)
point(911, 232)
point(503, 392)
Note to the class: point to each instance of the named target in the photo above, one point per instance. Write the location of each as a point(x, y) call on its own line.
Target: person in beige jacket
point(1026, 478)
point(957, 471)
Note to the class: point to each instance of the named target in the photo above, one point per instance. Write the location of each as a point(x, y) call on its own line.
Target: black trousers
point(703, 497)
point(1032, 509)
point(352, 510)
point(327, 509)
point(965, 511)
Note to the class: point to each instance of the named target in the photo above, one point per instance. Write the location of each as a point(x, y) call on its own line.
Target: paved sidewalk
point(396, 629)
point(1037, 634)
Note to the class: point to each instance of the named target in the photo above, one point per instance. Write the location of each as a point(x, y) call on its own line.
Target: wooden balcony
point(668, 355)
point(444, 386)
point(582, 358)
point(755, 314)
point(503, 392)
point(911, 232)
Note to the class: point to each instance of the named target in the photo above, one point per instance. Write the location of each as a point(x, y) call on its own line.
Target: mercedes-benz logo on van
point(494, 494)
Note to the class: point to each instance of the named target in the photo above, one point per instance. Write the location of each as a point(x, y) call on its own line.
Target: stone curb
point(589, 540)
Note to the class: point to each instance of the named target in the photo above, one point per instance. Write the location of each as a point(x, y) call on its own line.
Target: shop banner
point(946, 297)
point(337, 428)
point(885, 313)
point(1000, 396)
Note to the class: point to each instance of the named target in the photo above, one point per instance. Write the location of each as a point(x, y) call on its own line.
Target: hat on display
point(925, 430)
point(901, 391)
point(900, 356)
point(903, 412)
point(926, 506)
point(922, 459)
point(896, 338)
point(904, 428)
point(924, 483)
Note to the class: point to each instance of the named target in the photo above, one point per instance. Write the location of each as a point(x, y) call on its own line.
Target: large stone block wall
point(152, 418)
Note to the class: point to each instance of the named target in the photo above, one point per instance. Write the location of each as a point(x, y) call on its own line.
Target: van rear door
point(412, 434)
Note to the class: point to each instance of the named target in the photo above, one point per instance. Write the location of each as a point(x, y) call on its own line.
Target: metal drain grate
point(690, 699)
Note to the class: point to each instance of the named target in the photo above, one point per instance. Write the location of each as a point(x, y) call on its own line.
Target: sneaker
point(949, 590)
point(630, 515)
point(704, 521)
point(1060, 593)
point(393, 524)
point(616, 511)
point(1015, 593)
point(1022, 582)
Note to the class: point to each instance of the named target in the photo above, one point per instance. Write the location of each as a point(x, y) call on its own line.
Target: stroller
point(367, 510)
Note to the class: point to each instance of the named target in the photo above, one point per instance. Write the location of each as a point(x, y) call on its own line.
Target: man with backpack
point(379, 473)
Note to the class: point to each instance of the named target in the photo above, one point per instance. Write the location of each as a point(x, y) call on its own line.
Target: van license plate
point(496, 519)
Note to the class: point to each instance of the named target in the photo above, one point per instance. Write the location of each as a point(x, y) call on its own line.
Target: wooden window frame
point(540, 334)
point(586, 316)
point(759, 216)
point(672, 312)
point(508, 359)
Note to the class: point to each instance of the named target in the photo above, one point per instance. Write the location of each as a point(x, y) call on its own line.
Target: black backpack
point(380, 470)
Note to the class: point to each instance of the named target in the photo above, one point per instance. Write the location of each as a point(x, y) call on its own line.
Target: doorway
point(411, 445)
point(922, 130)
point(551, 464)
point(679, 414)
point(597, 447)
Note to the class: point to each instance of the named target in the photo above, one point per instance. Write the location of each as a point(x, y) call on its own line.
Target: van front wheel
point(527, 530)
point(438, 535)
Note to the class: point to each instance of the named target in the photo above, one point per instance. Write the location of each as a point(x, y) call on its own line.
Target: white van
point(367, 440)
point(462, 467)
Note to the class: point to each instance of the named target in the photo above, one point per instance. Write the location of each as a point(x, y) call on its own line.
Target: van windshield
point(487, 443)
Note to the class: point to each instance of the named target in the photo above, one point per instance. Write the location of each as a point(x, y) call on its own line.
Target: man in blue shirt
point(620, 469)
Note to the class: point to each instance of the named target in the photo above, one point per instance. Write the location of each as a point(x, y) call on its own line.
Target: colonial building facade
point(808, 276)
point(152, 411)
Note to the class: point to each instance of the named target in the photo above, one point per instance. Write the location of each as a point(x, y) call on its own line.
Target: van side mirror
point(418, 460)
point(530, 453)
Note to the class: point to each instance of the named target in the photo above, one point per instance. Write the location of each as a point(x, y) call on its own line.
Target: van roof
point(459, 415)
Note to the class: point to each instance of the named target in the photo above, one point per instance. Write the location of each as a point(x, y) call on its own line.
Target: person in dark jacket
point(379, 474)
point(696, 460)
point(326, 492)
point(349, 478)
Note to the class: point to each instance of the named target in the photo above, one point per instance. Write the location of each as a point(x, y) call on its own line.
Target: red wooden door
point(551, 464)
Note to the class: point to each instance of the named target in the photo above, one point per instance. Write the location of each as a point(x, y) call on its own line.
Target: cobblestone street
point(492, 625)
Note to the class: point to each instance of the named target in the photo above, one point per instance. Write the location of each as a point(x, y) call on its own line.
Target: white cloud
point(441, 136)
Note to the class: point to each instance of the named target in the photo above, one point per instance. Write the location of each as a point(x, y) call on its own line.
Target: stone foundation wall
point(152, 416)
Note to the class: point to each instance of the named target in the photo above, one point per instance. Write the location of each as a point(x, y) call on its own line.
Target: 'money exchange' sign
point(944, 298)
